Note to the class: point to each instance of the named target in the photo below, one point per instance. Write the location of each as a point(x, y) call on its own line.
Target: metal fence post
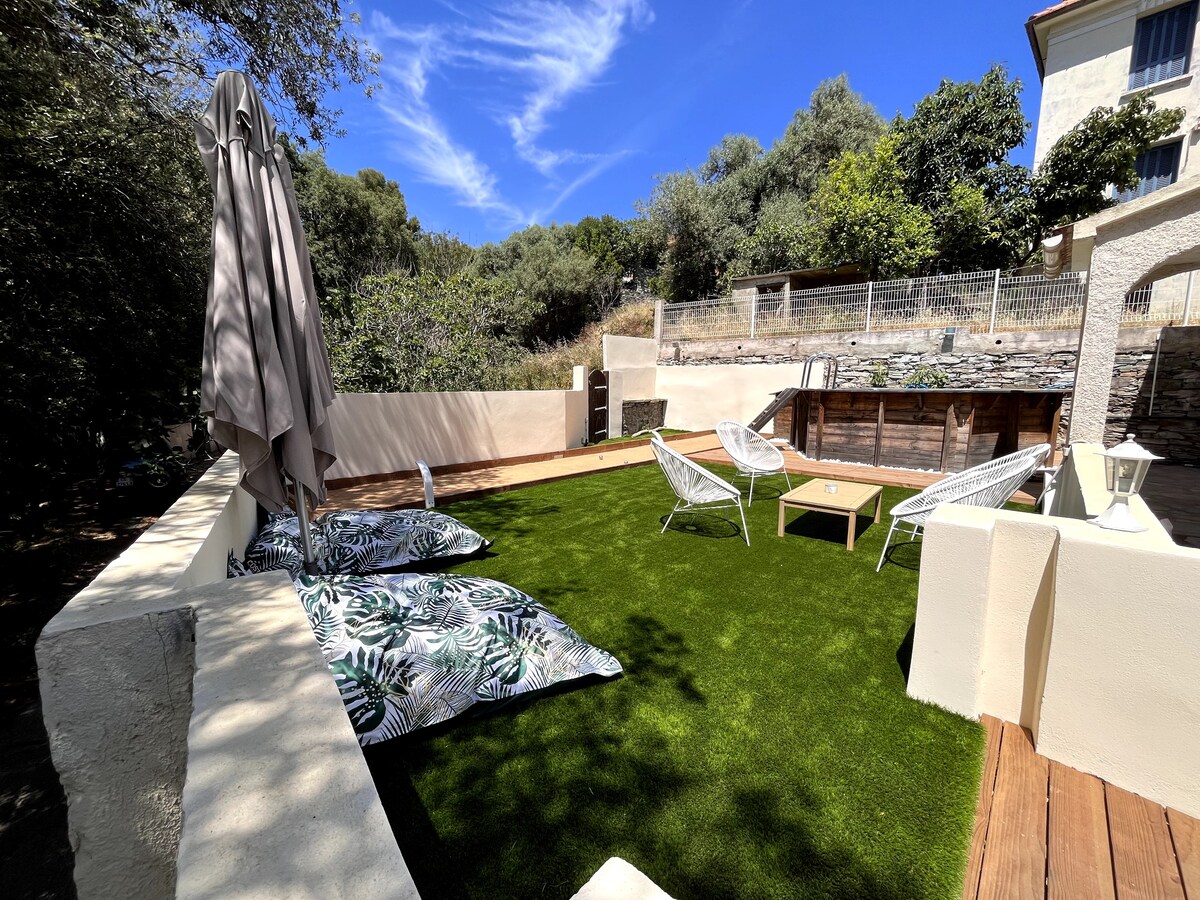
point(753, 314)
point(1187, 301)
point(995, 301)
point(870, 293)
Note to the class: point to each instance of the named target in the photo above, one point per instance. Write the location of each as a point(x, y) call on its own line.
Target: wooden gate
point(597, 406)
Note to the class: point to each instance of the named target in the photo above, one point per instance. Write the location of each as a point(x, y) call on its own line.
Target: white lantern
point(1125, 467)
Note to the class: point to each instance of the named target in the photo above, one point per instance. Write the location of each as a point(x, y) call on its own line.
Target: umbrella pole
point(310, 559)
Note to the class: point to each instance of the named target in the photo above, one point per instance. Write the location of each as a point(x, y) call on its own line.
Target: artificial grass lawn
point(759, 745)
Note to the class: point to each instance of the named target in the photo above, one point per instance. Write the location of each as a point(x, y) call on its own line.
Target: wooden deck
point(462, 483)
point(1044, 831)
point(465, 482)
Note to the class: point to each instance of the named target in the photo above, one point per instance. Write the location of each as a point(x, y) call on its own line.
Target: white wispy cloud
point(542, 52)
point(561, 51)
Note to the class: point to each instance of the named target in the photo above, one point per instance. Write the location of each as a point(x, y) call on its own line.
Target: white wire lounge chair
point(990, 484)
point(695, 486)
point(753, 454)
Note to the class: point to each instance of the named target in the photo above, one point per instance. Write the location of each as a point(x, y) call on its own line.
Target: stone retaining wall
point(1028, 359)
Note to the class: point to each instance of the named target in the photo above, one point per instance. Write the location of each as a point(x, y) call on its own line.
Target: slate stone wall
point(1172, 429)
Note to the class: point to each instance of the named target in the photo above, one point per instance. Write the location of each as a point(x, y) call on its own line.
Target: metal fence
point(982, 301)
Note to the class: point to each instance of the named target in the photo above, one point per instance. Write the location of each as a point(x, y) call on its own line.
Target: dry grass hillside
point(550, 369)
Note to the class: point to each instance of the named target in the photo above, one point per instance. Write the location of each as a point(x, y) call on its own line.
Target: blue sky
point(495, 115)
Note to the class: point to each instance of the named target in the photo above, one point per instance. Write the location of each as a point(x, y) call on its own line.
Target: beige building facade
point(1097, 53)
point(1088, 56)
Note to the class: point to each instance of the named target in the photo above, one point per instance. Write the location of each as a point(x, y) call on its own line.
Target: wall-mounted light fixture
point(1125, 468)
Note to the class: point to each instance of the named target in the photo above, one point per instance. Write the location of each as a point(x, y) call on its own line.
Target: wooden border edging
point(454, 468)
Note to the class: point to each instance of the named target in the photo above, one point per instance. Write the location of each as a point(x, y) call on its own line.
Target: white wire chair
point(695, 486)
point(753, 454)
point(990, 484)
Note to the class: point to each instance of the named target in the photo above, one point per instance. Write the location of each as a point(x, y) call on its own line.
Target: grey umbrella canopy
point(265, 383)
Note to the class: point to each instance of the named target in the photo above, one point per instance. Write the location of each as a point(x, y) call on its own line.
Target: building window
point(1156, 168)
point(1162, 45)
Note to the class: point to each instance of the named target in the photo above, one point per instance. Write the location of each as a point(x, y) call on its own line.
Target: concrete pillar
point(1097, 348)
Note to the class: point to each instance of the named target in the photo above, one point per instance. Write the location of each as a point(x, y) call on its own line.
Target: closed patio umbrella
point(265, 383)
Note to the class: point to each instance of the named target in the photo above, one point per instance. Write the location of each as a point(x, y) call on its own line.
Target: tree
point(697, 240)
point(1073, 179)
point(559, 280)
point(427, 334)
point(953, 152)
point(860, 215)
point(105, 209)
point(442, 254)
point(356, 225)
point(837, 120)
point(780, 239)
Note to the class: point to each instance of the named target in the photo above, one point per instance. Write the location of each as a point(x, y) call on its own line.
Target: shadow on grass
point(706, 525)
point(529, 801)
point(825, 526)
point(905, 554)
point(905, 651)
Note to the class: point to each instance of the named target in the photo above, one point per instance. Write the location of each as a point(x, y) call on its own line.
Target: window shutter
point(1156, 168)
point(1162, 45)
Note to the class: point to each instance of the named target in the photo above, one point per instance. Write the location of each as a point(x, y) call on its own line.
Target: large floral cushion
point(361, 541)
point(411, 650)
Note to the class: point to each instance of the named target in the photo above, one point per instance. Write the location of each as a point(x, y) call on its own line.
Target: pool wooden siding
point(941, 430)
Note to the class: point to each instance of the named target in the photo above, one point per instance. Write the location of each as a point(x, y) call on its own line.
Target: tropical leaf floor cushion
point(412, 650)
point(355, 542)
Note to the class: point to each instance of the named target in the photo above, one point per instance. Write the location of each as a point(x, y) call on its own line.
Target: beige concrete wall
point(1088, 57)
point(1148, 239)
point(1085, 636)
point(630, 363)
point(700, 396)
point(197, 733)
point(381, 433)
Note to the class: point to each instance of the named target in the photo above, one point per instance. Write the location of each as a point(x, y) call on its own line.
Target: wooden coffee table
point(848, 499)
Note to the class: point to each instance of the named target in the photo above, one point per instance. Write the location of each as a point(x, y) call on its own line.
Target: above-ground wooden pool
point(942, 429)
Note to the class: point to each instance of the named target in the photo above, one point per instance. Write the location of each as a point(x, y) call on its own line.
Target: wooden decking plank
point(1185, 835)
point(1079, 858)
point(983, 808)
point(1014, 864)
point(1143, 855)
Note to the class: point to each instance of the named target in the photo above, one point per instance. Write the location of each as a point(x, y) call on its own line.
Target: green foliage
point(879, 375)
point(925, 375)
point(559, 279)
point(441, 254)
point(697, 240)
point(836, 121)
point(105, 208)
point(427, 334)
point(1101, 150)
point(959, 133)
point(780, 239)
point(861, 215)
point(356, 225)
point(954, 152)
point(608, 241)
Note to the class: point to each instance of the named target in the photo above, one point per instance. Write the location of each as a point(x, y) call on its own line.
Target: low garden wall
point(1170, 428)
point(380, 434)
point(202, 745)
point(1085, 636)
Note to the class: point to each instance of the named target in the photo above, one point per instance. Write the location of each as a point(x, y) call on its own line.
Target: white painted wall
point(1088, 53)
point(200, 740)
point(698, 397)
point(1085, 636)
point(382, 433)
